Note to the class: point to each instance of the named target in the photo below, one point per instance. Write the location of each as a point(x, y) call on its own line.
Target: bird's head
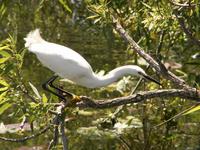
point(33, 37)
point(140, 72)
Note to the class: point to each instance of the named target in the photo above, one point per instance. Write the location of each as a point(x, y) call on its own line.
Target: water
point(92, 43)
point(103, 51)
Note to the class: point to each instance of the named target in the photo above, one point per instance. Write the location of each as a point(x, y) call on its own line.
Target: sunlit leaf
point(2, 60)
point(44, 98)
point(192, 110)
point(35, 90)
point(3, 89)
point(33, 105)
point(146, 5)
point(2, 95)
point(92, 17)
point(4, 83)
point(97, 20)
point(7, 47)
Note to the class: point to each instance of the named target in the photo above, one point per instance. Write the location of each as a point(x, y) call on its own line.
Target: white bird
point(70, 65)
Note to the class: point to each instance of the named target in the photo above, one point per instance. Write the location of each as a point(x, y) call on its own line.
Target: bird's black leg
point(68, 94)
point(48, 83)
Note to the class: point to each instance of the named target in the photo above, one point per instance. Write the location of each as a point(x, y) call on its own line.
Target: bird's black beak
point(151, 79)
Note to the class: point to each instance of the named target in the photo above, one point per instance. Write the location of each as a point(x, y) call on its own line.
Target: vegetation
point(166, 30)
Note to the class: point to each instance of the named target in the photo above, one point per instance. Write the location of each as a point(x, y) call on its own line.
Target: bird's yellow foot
point(76, 98)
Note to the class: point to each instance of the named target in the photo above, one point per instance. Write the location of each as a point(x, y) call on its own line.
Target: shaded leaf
point(5, 54)
point(4, 107)
point(65, 6)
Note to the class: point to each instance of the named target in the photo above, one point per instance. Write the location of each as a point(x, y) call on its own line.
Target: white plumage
point(71, 65)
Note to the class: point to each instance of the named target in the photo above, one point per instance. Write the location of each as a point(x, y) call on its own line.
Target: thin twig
point(27, 137)
point(186, 30)
point(128, 147)
point(188, 5)
point(176, 116)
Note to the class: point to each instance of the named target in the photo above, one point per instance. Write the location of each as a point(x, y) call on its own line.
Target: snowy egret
point(69, 64)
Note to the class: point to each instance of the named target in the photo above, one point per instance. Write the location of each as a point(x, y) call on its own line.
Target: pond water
point(103, 52)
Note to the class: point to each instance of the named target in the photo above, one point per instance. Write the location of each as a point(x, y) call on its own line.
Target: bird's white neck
point(112, 76)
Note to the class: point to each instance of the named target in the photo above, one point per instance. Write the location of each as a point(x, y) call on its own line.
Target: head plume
point(33, 37)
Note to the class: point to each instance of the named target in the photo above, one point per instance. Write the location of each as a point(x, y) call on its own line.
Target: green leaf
point(63, 3)
point(2, 60)
point(97, 20)
point(2, 95)
point(35, 90)
point(7, 47)
point(4, 107)
point(146, 5)
point(3, 89)
point(23, 51)
point(192, 110)
point(5, 54)
point(44, 98)
point(8, 68)
point(4, 83)
point(33, 105)
point(92, 17)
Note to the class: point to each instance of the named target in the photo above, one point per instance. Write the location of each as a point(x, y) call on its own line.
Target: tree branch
point(27, 137)
point(86, 102)
point(186, 30)
point(188, 5)
point(154, 64)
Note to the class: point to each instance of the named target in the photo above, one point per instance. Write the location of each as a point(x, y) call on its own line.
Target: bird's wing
point(62, 60)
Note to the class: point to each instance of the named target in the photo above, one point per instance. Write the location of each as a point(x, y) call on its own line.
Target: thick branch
point(192, 94)
point(157, 66)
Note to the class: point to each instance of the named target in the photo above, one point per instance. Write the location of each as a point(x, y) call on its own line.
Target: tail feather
point(33, 37)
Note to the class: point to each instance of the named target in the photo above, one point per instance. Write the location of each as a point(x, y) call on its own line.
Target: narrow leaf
point(92, 17)
point(3, 89)
point(2, 95)
point(65, 6)
point(5, 54)
point(4, 107)
point(44, 98)
point(2, 60)
point(4, 83)
point(35, 90)
point(5, 48)
point(192, 110)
